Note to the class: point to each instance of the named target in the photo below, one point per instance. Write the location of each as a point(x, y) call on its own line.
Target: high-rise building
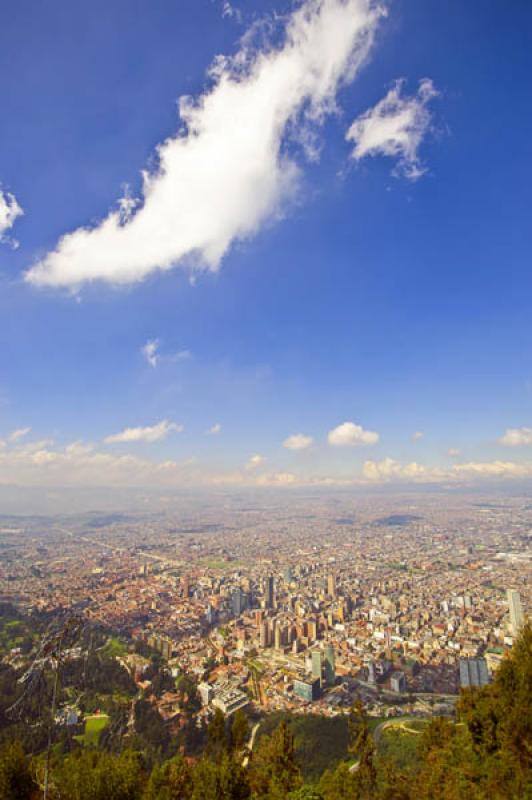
point(317, 663)
point(307, 690)
point(330, 666)
point(269, 592)
point(517, 618)
point(398, 682)
point(331, 585)
point(237, 601)
point(263, 635)
point(473, 672)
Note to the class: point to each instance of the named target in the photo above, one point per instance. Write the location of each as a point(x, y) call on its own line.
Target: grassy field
point(219, 563)
point(93, 727)
point(114, 647)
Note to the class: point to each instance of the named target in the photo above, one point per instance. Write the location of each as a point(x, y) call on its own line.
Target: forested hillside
point(485, 753)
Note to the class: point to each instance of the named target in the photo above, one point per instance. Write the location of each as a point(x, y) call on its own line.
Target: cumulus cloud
point(227, 171)
point(214, 429)
point(17, 434)
point(395, 127)
point(255, 461)
point(150, 352)
point(298, 441)
point(9, 211)
point(515, 437)
point(417, 436)
point(82, 464)
point(388, 470)
point(151, 433)
point(277, 479)
point(348, 434)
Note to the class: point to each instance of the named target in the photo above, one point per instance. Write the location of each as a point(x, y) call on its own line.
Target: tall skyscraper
point(317, 661)
point(269, 592)
point(517, 618)
point(330, 666)
point(263, 635)
point(237, 602)
point(331, 585)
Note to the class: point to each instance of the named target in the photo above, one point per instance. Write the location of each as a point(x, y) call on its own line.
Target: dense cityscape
point(303, 605)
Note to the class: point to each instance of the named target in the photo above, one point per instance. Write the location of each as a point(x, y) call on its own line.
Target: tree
point(362, 746)
point(90, 775)
point(239, 730)
point(216, 735)
point(274, 771)
point(226, 780)
point(16, 782)
point(170, 781)
point(339, 784)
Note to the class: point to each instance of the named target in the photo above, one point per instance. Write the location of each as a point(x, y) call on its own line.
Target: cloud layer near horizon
point(41, 463)
point(226, 172)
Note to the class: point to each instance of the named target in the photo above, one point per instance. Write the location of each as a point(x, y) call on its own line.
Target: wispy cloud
point(17, 434)
point(214, 429)
point(516, 437)
point(150, 352)
point(226, 172)
point(395, 127)
point(298, 441)
point(417, 435)
point(9, 211)
point(150, 433)
point(348, 434)
point(231, 11)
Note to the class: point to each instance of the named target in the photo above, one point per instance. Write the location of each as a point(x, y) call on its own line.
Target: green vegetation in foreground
point(94, 725)
point(320, 742)
point(487, 755)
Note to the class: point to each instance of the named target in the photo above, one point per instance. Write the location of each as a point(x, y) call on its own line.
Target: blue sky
point(360, 292)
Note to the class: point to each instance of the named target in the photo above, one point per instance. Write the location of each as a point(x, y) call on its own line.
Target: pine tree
point(170, 781)
point(239, 730)
point(16, 782)
point(274, 771)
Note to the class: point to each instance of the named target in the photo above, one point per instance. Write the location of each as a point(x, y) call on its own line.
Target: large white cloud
point(348, 434)
point(298, 441)
point(395, 127)
point(515, 437)
point(226, 172)
point(150, 433)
